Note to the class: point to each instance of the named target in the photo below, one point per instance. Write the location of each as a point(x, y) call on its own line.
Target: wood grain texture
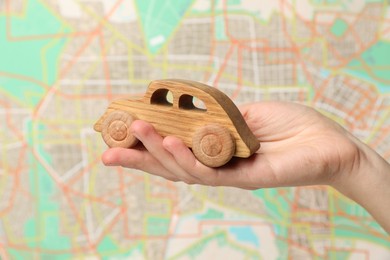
point(213, 145)
point(168, 105)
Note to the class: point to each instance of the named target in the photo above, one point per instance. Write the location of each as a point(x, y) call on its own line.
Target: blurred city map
point(63, 61)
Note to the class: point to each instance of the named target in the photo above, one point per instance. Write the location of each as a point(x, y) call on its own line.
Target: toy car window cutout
point(189, 102)
point(162, 97)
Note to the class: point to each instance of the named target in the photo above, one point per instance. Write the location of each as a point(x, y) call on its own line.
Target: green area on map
point(160, 19)
point(373, 66)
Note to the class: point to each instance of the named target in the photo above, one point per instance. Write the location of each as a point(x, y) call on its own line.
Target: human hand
point(299, 146)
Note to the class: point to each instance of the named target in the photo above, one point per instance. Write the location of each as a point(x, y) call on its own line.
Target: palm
point(298, 145)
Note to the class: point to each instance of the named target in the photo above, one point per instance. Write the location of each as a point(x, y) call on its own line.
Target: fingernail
point(109, 164)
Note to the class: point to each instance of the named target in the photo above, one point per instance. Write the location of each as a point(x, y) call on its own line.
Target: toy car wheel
point(213, 145)
point(116, 130)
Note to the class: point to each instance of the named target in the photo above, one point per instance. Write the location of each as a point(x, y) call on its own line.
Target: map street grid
point(62, 62)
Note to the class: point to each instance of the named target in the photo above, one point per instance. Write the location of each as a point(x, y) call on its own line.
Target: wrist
point(353, 168)
point(367, 182)
point(363, 172)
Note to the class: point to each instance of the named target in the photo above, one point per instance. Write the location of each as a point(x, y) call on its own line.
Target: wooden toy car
point(215, 133)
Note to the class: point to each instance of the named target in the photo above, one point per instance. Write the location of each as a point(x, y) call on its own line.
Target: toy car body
point(215, 133)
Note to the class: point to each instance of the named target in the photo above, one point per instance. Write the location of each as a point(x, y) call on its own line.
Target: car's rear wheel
point(116, 130)
point(213, 145)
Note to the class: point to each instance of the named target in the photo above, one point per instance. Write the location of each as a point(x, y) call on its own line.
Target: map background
point(62, 62)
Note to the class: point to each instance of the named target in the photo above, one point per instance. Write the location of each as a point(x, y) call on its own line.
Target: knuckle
point(208, 180)
point(211, 182)
point(138, 164)
point(189, 181)
point(173, 179)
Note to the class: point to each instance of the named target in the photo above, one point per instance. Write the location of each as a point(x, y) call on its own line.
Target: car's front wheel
point(116, 130)
point(213, 145)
